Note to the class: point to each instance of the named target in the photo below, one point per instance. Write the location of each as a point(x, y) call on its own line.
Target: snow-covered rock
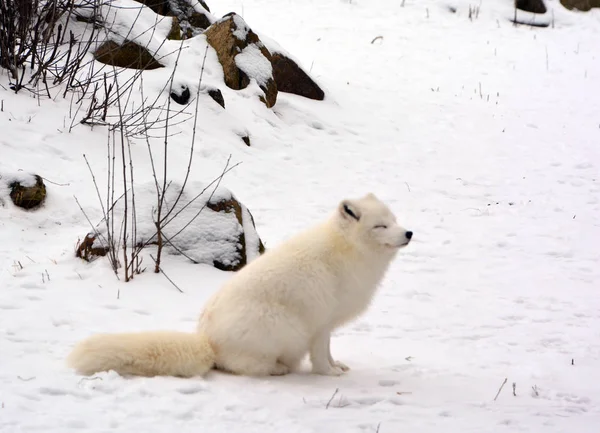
point(26, 191)
point(191, 16)
point(126, 55)
point(203, 224)
point(244, 58)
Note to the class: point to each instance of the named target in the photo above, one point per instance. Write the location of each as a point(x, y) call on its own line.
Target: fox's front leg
point(332, 362)
point(320, 356)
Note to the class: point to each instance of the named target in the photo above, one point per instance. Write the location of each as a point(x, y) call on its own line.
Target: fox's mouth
point(397, 246)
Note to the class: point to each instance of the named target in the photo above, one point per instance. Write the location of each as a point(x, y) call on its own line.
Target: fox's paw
point(341, 365)
point(329, 370)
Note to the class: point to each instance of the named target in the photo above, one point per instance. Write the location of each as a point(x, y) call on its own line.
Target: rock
point(199, 21)
point(181, 95)
point(175, 32)
point(243, 56)
point(217, 230)
point(204, 5)
point(233, 206)
point(217, 96)
point(127, 55)
point(166, 7)
point(160, 7)
point(261, 246)
point(290, 78)
point(581, 5)
point(534, 6)
point(246, 140)
point(191, 20)
point(28, 196)
point(90, 249)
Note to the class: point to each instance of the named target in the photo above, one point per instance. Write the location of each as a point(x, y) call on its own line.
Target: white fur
point(275, 310)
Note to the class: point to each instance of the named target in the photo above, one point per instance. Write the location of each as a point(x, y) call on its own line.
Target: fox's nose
point(408, 235)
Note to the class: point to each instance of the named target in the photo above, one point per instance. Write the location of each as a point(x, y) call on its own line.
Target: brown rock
point(228, 206)
point(128, 55)
point(582, 5)
point(290, 78)
point(28, 197)
point(230, 36)
point(89, 249)
point(175, 32)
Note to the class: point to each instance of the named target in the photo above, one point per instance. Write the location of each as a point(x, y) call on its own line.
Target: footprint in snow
point(32, 286)
point(141, 312)
point(75, 423)
point(388, 382)
point(189, 390)
point(58, 392)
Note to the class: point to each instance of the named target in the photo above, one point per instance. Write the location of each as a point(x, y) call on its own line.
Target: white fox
point(275, 310)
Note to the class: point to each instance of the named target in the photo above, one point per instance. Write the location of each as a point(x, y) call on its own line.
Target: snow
point(8, 177)
point(254, 64)
point(483, 138)
point(241, 28)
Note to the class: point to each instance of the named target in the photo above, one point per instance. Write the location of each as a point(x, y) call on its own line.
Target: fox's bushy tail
point(156, 353)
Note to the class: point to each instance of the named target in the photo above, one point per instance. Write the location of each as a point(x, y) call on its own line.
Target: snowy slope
point(484, 138)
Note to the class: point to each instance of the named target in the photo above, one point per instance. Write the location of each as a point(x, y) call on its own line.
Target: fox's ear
point(349, 210)
point(371, 196)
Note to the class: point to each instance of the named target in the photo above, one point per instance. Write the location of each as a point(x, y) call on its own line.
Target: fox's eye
point(380, 226)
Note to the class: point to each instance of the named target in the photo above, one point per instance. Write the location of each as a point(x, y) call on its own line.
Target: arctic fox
point(275, 310)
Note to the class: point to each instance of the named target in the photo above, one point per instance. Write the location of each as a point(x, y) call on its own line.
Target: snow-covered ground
point(483, 137)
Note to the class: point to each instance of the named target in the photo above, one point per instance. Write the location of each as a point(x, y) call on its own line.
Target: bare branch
point(501, 386)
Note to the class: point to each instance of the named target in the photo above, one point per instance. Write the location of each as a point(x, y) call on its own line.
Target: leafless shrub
point(38, 47)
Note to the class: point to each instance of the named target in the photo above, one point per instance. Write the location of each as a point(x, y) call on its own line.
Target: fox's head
point(368, 223)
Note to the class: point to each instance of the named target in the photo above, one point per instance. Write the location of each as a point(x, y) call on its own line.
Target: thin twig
point(501, 386)
point(179, 250)
point(25, 379)
point(331, 399)
point(217, 181)
point(90, 378)
point(86, 217)
point(161, 197)
point(166, 276)
point(125, 201)
point(189, 167)
point(54, 183)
